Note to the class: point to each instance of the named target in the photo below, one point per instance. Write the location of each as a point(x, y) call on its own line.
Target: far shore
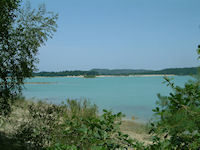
point(39, 82)
point(102, 76)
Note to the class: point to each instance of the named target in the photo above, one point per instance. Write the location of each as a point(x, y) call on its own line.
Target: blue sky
point(122, 34)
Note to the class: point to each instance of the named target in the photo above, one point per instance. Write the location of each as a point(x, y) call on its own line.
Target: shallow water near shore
point(133, 96)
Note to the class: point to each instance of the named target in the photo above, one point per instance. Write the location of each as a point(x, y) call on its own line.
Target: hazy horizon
point(135, 34)
point(112, 69)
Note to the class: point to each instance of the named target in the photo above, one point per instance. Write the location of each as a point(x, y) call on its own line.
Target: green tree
point(22, 31)
point(198, 49)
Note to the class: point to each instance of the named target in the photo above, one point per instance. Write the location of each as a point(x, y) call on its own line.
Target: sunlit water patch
point(134, 96)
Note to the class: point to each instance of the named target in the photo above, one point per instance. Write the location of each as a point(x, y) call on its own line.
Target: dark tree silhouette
point(22, 31)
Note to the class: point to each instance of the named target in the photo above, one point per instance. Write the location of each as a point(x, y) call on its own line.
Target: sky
point(121, 34)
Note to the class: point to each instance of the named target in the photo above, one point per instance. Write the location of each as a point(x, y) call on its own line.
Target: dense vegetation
point(67, 73)
point(178, 122)
point(119, 71)
point(72, 125)
point(176, 71)
point(22, 31)
point(126, 72)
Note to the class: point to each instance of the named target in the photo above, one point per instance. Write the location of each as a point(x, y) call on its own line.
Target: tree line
point(67, 73)
point(95, 72)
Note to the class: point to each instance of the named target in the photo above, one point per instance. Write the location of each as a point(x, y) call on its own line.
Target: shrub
point(80, 108)
point(36, 131)
point(93, 132)
point(178, 126)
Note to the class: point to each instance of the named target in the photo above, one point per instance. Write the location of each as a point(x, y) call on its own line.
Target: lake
point(134, 96)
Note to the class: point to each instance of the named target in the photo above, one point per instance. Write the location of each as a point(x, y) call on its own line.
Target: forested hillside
point(95, 72)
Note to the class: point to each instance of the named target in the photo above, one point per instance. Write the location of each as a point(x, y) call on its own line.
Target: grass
point(136, 130)
point(28, 116)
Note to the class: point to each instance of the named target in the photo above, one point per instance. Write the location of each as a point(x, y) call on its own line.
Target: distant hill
point(94, 72)
point(175, 71)
point(119, 71)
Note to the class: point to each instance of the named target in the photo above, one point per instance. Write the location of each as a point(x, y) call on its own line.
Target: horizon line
point(121, 69)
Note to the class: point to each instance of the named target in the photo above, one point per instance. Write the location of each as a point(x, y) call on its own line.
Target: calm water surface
point(134, 96)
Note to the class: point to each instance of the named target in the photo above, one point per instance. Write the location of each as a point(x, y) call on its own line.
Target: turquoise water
point(134, 96)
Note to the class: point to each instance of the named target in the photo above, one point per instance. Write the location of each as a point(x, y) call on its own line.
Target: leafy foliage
point(36, 130)
point(43, 122)
point(198, 51)
point(23, 31)
point(178, 126)
point(92, 132)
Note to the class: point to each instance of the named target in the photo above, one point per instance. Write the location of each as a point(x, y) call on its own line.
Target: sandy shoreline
point(102, 76)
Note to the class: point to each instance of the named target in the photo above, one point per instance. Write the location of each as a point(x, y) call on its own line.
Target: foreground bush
point(74, 125)
point(177, 122)
point(43, 121)
point(36, 130)
point(178, 125)
point(92, 133)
